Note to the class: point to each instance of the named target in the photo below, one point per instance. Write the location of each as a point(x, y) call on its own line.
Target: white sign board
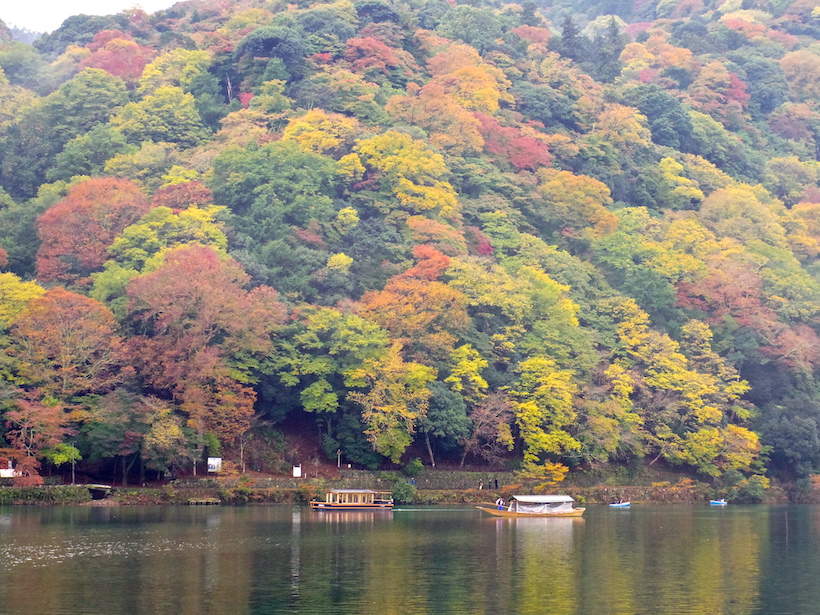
point(297, 471)
point(214, 464)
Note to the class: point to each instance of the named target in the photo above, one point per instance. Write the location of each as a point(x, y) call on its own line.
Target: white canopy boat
point(536, 506)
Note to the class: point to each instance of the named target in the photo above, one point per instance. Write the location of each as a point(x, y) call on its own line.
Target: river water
point(649, 559)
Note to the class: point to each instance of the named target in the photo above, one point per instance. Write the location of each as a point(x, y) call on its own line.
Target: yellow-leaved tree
point(322, 133)
point(687, 396)
point(544, 412)
point(411, 171)
point(395, 398)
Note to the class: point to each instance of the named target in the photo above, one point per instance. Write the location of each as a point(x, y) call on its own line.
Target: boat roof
point(355, 491)
point(543, 499)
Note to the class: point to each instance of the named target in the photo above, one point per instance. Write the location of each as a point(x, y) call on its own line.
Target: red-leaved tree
point(117, 54)
point(200, 331)
point(522, 151)
point(32, 427)
point(182, 196)
point(77, 231)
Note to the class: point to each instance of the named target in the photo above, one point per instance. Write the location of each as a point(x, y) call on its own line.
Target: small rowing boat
point(620, 504)
point(720, 502)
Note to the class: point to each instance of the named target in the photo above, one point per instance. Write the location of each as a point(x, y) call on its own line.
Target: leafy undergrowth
point(47, 495)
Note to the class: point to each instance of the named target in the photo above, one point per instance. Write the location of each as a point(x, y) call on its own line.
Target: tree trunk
point(429, 449)
point(126, 469)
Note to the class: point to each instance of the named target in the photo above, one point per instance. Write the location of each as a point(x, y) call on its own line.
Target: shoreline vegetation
point(430, 489)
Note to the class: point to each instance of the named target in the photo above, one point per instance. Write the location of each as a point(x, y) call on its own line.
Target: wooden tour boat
point(354, 499)
point(536, 506)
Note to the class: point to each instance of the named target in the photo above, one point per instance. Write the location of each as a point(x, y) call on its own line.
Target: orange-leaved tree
point(422, 313)
point(66, 345)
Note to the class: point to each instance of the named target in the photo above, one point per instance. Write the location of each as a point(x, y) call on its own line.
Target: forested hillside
point(545, 237)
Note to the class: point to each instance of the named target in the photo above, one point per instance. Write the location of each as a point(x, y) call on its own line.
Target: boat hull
point(335, 506)
point(575, 512)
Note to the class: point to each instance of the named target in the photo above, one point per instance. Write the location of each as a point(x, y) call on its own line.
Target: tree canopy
point(546, 237)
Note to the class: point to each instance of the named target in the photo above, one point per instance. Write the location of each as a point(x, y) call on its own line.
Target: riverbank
point(432, 488)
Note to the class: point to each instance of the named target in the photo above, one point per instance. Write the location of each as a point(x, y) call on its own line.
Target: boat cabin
point(348, 499)
point(541, 504)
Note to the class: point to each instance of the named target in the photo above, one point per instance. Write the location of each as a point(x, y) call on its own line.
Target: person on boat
point(500, 503)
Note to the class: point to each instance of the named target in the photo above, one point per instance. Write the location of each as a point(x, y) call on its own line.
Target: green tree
point(41, 131)
point(479, 27)
point(274, 192)
point(88, 153)
point(23, 66)
point(148, 167)
point(320, 353)
point(18, 227)
point(168, 115)
point(572, 44)
point(446, 422)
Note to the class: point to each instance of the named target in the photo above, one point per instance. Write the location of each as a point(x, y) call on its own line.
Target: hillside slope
point(540, 237)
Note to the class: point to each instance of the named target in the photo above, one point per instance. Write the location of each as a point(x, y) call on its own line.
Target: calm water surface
point(650, 559)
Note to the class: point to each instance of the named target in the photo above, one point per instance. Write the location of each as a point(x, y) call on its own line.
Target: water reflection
point(348, 516)
point(656, 560)
point(295, 553)
point(541, 563)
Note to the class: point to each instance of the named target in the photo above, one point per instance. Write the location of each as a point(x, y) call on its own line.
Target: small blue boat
point(720, 502)
point(620, 504)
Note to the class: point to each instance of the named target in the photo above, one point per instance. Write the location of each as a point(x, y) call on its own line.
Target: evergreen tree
point(572, 44)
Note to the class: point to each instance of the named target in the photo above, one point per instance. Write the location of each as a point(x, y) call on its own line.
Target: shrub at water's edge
point(46, 495)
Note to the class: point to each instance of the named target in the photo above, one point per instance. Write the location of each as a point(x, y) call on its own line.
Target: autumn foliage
point(77, 231)
point(198, 325)
point(538, 237)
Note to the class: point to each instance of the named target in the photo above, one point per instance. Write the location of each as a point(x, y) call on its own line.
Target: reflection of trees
point(666, 560)
point(648, 560)
point(192, 566)
point(545, 569)
point(117, 560)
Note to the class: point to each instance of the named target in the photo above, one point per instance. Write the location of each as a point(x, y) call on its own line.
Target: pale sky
point(47, 15)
